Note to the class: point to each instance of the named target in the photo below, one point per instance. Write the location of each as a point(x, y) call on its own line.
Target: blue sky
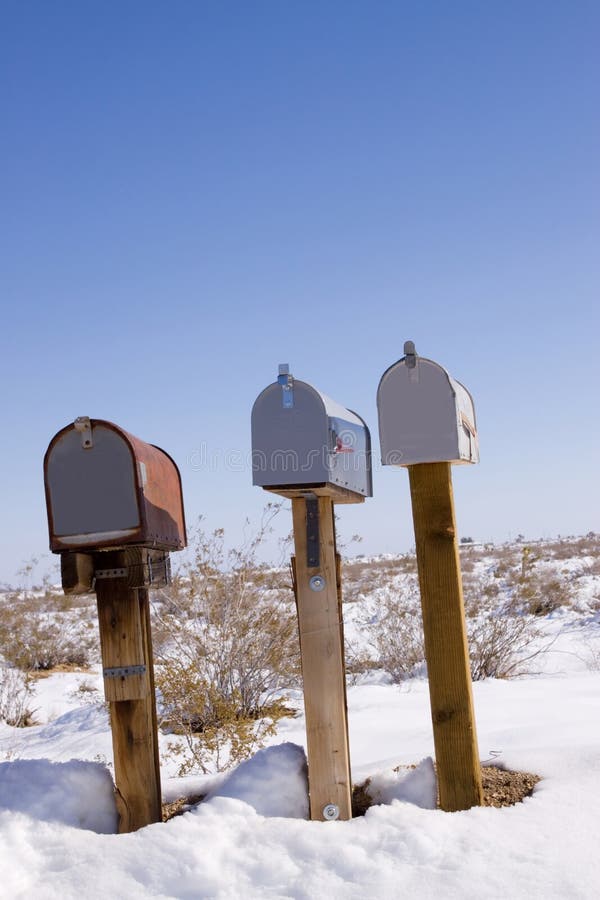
point(193, 193)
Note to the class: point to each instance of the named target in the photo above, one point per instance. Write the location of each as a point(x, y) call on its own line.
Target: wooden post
point(322, 653)
point(126, 644)
point(450, 688)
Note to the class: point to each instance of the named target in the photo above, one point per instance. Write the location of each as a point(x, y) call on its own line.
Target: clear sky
point(194, 192)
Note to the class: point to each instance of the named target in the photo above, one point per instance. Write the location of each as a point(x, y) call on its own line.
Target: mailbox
point(425, 415)
point(304, 442)
point(107, 490)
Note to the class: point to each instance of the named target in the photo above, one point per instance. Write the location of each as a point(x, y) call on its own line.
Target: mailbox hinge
point(124, 671)
point(287, 386)
point(312, 534)
point(83, 425)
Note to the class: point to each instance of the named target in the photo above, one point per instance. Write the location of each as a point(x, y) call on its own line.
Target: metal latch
point(411, 360)
point(410, 354)
point(287, 386)
point(83, 425)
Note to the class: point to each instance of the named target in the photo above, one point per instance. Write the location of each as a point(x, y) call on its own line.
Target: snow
point(274, 782)
point(417, 786)
point(251, 838)
point(75, 793)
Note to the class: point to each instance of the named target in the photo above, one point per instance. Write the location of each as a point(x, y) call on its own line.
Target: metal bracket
point(145, 569)
point(124, 671)
point(312, 533)
point(83, 425)
point(159, 571)
point(110, 573)
point(287, 386)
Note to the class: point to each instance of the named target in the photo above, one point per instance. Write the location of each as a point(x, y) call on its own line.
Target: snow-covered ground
point(251, 838)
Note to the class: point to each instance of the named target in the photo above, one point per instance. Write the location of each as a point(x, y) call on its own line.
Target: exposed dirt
point(500, 788)
point(39, 674)
point(179, 806)
point(504, 788)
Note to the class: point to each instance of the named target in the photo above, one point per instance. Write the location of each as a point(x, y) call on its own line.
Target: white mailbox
point(425, 415)
point(302, 441)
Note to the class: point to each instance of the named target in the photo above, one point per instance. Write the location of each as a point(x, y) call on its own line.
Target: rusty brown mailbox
point(108, 490)
point(115, 511)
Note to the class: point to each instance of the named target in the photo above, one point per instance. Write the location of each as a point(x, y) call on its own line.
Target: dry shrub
point(537, 591)
point(362, 577)
point(503, 641)
point(398, 640)
point(393, 625)
point(15, 692)
point(226, 644)
point(215, 735)
point(589, 545)
point(33, 636)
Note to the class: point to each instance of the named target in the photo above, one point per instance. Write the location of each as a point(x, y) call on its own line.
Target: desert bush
point(15, 692)
point(588, 545)
point(592, 645)
point(362, 577)
point(503, 642)
point(41, 628)
point(226, 644)
point(215, 735)
point(357, 660)
point(537, 591)
point(35, 637)
point(398, 640)
point(393, 626)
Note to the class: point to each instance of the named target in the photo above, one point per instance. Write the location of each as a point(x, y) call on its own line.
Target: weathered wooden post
point(314, 451)
point(427, 422)
point(115, 510)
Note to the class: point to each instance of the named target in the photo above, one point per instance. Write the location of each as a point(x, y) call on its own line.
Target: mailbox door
point(350, 459)
point(112, 490)
point(468, 441)
point(92, 494)
point(290, 445)
point(303, 438)
point(417, 415)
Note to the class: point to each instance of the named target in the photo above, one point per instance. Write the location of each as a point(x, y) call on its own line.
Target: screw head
point(317, 583)
point(331, 812)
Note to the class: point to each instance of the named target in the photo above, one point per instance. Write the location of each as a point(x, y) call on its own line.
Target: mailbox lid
point(350, 462)
point(117, 491)
point(468, 439)
point(300, 443)
point(425, 415)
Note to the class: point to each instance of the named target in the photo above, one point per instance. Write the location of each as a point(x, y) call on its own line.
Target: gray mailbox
point(425, 415)
point(304, 442)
